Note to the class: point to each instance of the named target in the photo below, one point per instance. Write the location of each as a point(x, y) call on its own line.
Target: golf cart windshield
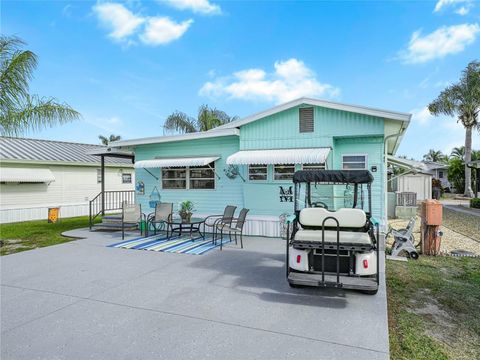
point(333, 189)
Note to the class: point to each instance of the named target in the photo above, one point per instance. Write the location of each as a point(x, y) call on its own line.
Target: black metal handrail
point(108, 201)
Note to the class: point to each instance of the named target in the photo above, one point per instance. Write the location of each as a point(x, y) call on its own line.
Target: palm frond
point(15, 74)
point(36, 114)
point(179, 122)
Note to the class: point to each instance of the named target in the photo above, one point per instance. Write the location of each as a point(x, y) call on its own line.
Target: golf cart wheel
point(369, 292)
point(414, 255)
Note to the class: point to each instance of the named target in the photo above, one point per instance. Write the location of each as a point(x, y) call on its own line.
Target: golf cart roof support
point(333, 176)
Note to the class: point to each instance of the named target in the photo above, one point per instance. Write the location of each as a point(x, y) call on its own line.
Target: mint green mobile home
point(250, 162)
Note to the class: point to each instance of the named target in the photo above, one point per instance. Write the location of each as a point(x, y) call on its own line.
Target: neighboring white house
point(38, 174)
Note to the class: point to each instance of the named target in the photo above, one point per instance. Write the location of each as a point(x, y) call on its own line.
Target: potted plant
point(186, 209)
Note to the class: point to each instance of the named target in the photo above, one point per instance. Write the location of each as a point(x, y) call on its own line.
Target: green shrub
point(475, 203)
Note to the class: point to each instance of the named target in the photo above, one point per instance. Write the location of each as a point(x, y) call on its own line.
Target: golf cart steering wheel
point(320, 204)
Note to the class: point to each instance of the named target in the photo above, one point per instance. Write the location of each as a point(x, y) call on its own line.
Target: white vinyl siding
point(72, 189)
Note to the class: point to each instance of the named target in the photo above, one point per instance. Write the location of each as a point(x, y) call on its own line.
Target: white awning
point(175, 162)
point(22, 175)
point(279, 156)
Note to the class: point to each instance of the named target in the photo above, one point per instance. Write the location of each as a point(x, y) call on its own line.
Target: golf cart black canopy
point(333, 176)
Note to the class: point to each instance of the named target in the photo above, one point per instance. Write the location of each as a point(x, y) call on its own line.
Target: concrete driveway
point(82, 300)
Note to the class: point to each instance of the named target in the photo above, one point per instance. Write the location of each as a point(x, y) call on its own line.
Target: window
point(283, 172)
point(354, 162)
point(126, 178)
point(174, 178)
point(202, 177)
point(305, 120)
point(194, 177)
point(257, 172)
point(99, 176)
point(314, 166)
point(440, 174)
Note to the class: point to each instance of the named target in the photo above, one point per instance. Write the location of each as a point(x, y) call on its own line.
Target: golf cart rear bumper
point(345, 282)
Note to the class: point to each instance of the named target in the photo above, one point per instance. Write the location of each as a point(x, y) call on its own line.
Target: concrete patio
point(84, 300)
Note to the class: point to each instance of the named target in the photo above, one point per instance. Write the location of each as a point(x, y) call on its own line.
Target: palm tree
point(462, 100)
point(19, 110)
point(207, 118)
point(107, 140)
point(434, 156)
point(458, 152)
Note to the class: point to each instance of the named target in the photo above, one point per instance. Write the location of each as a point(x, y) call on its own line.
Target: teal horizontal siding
point(227, 191)
point(281, 130)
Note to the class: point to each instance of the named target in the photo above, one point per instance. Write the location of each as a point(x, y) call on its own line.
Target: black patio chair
point(216, 222)
point(235, 229)
point(160, 217)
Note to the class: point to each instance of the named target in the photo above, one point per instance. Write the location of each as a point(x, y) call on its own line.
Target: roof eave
point(182, 137)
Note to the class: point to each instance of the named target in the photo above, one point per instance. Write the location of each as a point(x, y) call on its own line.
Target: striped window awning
point(279, 156)
point(175, 162)
point(26, 175)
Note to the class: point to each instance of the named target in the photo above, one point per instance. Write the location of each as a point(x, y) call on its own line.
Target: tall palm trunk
point(468, 158)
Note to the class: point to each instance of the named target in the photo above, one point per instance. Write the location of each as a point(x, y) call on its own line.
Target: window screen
point(354, 162)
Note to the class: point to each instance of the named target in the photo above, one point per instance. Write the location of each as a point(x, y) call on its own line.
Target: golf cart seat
point(353, 227)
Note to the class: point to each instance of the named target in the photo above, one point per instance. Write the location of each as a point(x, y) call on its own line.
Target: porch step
point(112, 219)
point(113, 226)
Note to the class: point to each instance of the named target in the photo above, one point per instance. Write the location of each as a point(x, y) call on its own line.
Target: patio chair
point(235, 229)
point(132, 216)
point(216, 222)
point(161, 216)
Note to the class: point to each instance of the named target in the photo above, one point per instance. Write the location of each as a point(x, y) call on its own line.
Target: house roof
point(163, 139)
point(49, 151)
point(387, 114)
point(424, 167)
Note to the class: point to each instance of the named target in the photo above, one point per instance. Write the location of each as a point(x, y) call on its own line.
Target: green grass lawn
point(434, 308)
point(29, 235)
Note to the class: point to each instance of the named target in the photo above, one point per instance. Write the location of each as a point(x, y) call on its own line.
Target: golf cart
point(332, 240)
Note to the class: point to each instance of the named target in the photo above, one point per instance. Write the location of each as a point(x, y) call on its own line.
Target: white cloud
point(290, 80)
point(121, 21)
point(443, 41)
point(163, 30)
point(197, 6)
point(464, 10)
point(123, 24)
point(421, 116)
point(462, 7)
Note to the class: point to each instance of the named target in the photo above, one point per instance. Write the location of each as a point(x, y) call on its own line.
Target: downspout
point(385, 186)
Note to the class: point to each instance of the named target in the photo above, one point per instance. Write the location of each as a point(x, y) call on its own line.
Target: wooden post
point(102, 157)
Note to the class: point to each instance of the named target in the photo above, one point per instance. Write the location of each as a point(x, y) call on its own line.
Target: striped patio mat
point(176, 244)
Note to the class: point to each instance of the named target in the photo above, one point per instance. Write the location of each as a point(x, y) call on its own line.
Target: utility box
point(432, 212)
point(430, 227)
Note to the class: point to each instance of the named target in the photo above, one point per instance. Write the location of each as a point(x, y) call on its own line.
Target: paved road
point(82, 300)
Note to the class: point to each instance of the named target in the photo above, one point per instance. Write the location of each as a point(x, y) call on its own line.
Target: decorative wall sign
point(140, 188)
point(286, 193)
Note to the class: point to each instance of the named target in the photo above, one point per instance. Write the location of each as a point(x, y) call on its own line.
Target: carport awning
point(279, 156)
point(24, 175)
point(175, 162)
point(406, 164)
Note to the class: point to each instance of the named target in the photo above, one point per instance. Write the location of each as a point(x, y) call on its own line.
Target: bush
point(475, 203)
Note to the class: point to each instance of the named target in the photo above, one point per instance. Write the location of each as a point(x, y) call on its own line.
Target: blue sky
point(127, 65)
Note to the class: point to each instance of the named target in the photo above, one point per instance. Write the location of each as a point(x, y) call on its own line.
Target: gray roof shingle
point(49, 150)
